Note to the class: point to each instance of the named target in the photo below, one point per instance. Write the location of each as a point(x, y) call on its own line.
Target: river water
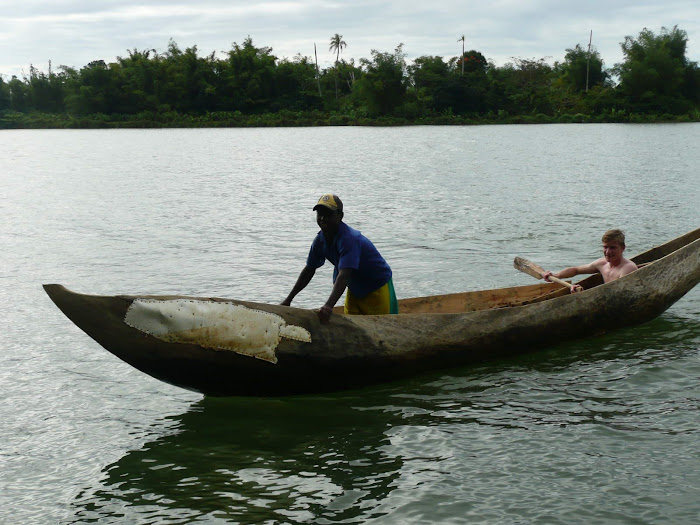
point(603, 430)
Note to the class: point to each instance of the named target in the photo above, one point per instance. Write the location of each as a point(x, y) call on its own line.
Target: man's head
point(615, 235)
point(613, 245)
point(329, 213)
point(331, 202)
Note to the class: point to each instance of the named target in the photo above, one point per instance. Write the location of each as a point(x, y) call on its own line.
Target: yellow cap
point(330, 201)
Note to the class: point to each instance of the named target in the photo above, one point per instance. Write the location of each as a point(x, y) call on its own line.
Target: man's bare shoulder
point(598, 264)
point(627, 267)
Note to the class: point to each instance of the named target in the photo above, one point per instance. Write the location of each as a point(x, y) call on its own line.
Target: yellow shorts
point(380, 301)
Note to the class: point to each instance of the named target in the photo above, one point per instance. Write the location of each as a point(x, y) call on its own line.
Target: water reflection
point(620, 381)
point(253, 460)
point(354, 456)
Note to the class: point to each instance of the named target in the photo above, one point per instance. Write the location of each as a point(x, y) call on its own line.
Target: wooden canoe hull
point(353, 351)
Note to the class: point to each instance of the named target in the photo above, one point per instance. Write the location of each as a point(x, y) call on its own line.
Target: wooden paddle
point(538, 272)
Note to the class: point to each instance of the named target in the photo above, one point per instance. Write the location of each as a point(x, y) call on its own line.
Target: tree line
point(251, 85)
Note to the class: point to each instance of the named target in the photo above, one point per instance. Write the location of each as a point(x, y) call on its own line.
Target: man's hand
point(304, 278)
point(324, 314)
point(575, 288)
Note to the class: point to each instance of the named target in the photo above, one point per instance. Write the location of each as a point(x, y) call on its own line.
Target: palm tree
point(462, 39)
point(337, 45)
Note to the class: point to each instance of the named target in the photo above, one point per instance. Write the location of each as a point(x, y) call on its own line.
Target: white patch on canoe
point(218, 325)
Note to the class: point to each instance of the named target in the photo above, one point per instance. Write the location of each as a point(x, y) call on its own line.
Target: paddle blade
point(528, 267)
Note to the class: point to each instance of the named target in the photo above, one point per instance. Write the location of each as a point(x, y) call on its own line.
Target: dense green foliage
point(250, 86)
point(656, 75)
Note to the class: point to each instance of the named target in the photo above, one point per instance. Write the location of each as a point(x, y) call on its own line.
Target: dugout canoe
point(227, 347)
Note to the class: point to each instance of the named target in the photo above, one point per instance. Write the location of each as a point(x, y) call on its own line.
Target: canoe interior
point(479, 300)
point(522, 295)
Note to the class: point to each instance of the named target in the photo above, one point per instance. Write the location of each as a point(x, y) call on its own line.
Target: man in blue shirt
point(358, 266)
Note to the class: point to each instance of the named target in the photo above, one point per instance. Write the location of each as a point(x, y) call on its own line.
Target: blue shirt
point(351, 249)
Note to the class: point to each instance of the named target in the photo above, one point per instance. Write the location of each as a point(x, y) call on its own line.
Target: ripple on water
point(602, 430)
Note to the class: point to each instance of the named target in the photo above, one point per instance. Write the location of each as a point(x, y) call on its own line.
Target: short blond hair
point(614, 235)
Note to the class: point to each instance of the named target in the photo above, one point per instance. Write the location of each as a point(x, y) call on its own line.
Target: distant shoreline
point(145, 120)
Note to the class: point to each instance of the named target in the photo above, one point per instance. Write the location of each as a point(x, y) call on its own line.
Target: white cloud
point(76, 32)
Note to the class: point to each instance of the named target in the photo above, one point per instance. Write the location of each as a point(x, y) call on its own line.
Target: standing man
point(611, 266)
point(358, 266)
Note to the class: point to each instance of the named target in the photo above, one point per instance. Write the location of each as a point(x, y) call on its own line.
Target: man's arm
point(341, 282)
point(572, 271)
point(304, 279)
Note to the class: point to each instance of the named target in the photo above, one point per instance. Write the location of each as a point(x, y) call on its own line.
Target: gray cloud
point(75, 33)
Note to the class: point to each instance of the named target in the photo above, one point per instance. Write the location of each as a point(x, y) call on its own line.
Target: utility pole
point(588, 59)
point(318, 80)
point(462, 39)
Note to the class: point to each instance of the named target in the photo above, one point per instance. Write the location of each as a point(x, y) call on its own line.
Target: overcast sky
point(76, 32)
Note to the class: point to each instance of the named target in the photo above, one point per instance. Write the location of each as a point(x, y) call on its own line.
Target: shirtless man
point(611, 266)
